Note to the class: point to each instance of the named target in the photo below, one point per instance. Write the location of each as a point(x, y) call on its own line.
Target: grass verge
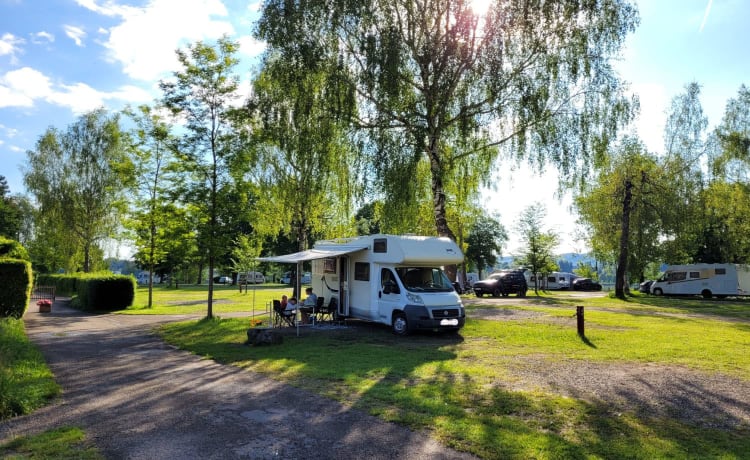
point(58, 444)
point(460, 388)
point(26, 383)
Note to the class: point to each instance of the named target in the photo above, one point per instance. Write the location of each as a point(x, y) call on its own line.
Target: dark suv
point(503, 284)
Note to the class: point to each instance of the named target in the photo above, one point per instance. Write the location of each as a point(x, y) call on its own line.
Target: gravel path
point(138, 398)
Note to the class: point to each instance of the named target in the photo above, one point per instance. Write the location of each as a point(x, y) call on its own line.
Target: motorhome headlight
point(414, 298)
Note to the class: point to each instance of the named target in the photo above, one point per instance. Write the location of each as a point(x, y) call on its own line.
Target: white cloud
point(650, 123)
point(25, 86)
point(43, 37)
point(75, 33)
point(9, 46)
point(146, 40)
point(19, 88)
point(250, 46)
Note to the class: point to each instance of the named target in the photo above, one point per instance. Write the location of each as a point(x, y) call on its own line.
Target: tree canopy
point(436, 84)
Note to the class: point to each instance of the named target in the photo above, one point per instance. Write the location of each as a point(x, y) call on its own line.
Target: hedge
point(65, 284)
point(17, 280)
point(104, 292)
point(12, 249)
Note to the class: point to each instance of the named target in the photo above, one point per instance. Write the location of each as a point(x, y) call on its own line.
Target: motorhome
point(251, 278)
point(707, 280)
point(396, 280)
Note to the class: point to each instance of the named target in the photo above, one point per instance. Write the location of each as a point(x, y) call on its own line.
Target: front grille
point(448, 312)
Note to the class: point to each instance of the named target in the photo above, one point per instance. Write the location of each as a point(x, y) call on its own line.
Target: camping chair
point(318, 308)
point(281, 316)
point(329, 311)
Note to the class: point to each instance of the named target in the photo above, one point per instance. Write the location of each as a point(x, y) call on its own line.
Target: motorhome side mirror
point(390, 287)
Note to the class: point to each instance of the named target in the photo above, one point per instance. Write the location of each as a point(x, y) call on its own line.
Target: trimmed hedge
point(12, 249)
point(65, 284)
point(16, 290)
point(104, 292)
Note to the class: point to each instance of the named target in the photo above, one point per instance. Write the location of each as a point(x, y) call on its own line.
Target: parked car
point(503, 284)
point(586, 284)
point(288, 278)
point(222, 279)
point(645, 286)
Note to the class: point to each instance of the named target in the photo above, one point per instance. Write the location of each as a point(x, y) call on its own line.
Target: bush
point(16, 292)
point(65, 284)
point(12, 249)
point(104, 292)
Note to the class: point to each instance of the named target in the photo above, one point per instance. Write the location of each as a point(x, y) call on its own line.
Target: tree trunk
point(438, 201)
point(622, 263)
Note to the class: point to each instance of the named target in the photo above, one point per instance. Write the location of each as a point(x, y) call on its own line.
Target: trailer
point(707, 280)
point(559, 280)
point(397, 280)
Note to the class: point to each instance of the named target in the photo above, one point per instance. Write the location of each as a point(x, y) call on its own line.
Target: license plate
point(449, 322)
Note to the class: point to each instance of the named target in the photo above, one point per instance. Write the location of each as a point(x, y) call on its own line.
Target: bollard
point(579, 320)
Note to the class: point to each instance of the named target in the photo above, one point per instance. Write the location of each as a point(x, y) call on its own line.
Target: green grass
point(58, 444)
point(26, 382)
point(456, 386)
point(192, 299)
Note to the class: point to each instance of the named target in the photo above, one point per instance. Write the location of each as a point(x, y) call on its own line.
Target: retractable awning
point(312, 254)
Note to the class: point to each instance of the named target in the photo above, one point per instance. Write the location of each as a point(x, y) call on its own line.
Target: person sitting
point(291, 305)
point(284, 302)
point(308, 306)
point(311, 298)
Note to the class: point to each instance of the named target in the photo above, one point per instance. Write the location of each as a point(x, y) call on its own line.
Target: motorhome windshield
point(424, 279)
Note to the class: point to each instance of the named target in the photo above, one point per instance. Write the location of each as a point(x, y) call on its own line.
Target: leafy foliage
point(485, 242)
point(77, 178)
point(436, 84)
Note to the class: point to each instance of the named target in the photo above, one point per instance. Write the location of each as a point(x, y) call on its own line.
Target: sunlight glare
point(479, 7)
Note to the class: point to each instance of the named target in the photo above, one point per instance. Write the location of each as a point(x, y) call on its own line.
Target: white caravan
point(389, 279)
point(559, 280)
point(707, 280)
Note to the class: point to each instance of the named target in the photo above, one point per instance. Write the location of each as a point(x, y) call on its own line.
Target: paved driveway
point(138, 398)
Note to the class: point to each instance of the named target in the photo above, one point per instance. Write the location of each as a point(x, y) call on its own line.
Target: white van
point(390, 279)
point(707, 280)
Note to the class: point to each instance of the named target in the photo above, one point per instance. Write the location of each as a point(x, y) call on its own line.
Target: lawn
point(192, 299)
point(460, 387)
point(26, 383)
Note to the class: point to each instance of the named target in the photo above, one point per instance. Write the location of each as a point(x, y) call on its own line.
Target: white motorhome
point(707, 280)
point(390, 279)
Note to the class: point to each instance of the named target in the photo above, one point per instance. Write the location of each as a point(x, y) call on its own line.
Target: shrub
point(104, 292)
point(12, 249)
point(65, 284)
point(17, 280)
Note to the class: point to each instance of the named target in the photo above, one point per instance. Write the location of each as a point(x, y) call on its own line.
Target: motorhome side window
point(695, 274)
point(676, 276)
point(721, 271)
point(380, 245)
point(362, 271)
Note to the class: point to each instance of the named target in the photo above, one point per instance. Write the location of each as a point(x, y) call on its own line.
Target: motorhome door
point(343, 286)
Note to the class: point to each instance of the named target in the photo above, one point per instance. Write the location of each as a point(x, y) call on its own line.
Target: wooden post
point(579, 318)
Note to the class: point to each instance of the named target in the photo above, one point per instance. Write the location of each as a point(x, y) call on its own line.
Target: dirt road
point(138, 398)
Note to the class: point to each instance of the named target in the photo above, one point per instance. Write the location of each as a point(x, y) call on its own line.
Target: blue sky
point(60, 58)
